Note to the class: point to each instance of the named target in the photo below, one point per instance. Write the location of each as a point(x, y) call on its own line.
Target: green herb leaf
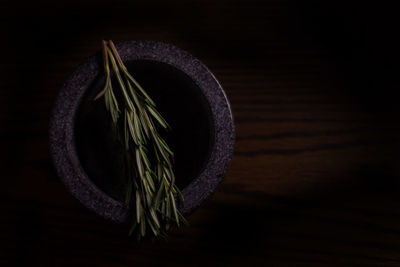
point(147, 157)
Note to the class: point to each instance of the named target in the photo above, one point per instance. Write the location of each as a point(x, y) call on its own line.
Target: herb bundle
point(148, 159)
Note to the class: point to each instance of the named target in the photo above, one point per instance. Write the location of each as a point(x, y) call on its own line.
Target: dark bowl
point(187, 94)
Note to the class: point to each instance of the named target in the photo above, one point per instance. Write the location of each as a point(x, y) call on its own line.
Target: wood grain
point(314, 180)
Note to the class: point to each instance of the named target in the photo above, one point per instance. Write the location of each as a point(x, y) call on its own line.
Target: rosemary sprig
point(148, 159)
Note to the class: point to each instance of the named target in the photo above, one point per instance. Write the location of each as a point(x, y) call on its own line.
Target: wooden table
point(314, 180)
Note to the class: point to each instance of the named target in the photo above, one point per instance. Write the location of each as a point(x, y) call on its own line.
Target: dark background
point(314, 180)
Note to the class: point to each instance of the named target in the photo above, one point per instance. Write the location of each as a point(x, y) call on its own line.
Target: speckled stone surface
point(62, 139)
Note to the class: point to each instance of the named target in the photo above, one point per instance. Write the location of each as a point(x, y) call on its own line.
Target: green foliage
point(147, 157)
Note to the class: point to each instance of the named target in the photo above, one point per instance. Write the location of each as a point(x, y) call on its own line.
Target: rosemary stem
point(153, 192)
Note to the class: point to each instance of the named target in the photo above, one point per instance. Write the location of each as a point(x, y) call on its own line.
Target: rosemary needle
point(148, 158)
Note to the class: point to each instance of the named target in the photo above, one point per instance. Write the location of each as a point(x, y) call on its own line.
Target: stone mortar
point(62, 136)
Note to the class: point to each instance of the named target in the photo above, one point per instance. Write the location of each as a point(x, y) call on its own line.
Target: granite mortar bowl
point(187, 94)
